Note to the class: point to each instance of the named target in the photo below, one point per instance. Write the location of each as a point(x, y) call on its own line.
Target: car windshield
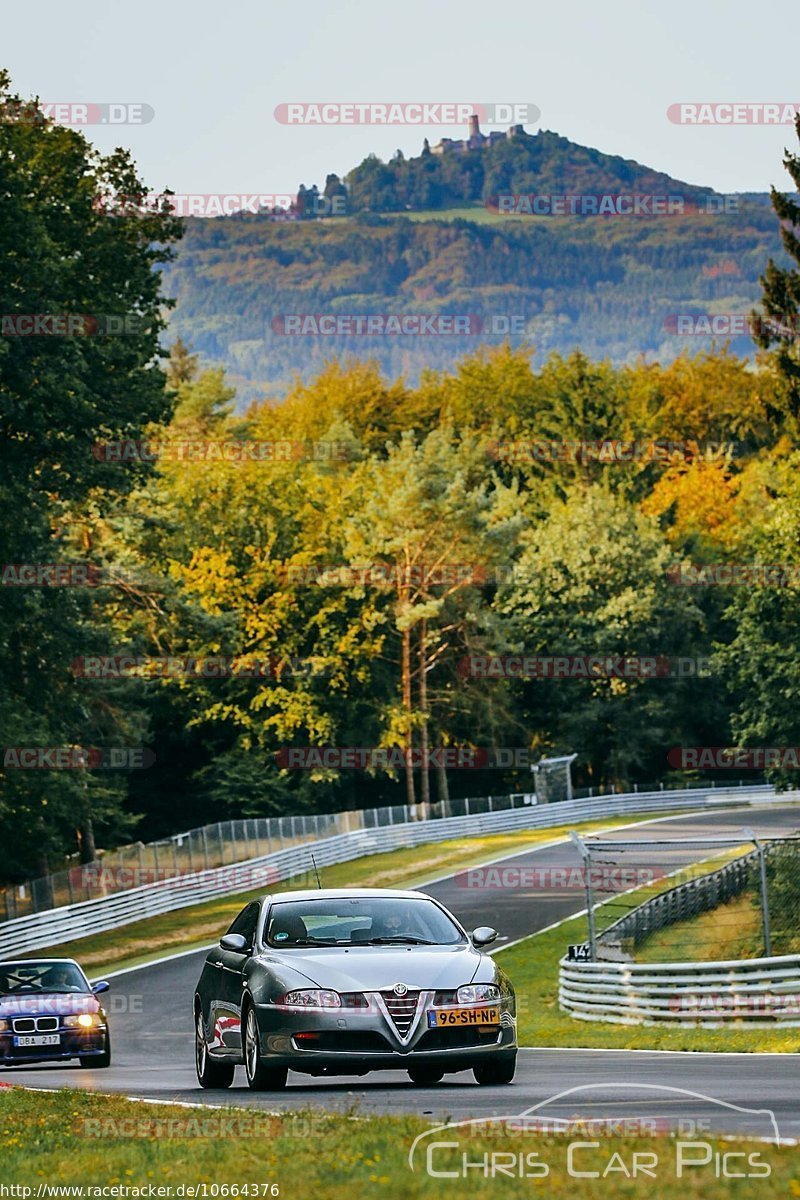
point(17, 979)
point(362, 920)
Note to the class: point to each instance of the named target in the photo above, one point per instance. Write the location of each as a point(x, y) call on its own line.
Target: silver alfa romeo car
point(343, 982)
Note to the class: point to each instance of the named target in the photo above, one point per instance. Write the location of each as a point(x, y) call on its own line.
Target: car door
point(228, 1015)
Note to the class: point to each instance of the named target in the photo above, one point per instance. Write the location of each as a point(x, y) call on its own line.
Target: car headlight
point(311, 998)
point(478, 993)
point(4, 1025)
point(82, 1021)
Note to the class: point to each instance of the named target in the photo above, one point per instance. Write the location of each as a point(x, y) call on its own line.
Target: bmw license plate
point(438, 1018)
point(37, 1039)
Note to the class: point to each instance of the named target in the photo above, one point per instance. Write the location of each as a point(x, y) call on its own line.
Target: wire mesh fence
point(221, 844)
point(750, 903)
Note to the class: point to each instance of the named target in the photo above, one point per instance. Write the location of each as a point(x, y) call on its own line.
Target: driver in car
point(397, 922)
point(60, 979)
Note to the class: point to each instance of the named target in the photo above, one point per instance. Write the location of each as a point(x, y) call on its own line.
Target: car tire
point(495, 1071)
point(260, 1078)
point(426, 1076)
point(210, 1074)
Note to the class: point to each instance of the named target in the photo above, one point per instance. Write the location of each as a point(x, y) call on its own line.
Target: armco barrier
point(760, 991)
point(60, 925)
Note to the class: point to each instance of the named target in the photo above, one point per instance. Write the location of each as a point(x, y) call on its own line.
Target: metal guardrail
point(760, 991)
point(69, 922)
point(225, 842)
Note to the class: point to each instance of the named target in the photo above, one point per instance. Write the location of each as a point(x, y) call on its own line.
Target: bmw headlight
point(311, 998)
point(82, 1021)
point(478, 993)
point(4, 1024)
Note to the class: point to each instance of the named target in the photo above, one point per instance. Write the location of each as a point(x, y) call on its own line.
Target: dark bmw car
point(343, 982)
point(49, 1012)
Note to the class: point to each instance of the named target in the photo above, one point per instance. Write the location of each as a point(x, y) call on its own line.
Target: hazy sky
point(602, 75)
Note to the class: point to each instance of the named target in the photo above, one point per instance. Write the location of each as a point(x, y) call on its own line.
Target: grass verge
point(201, 924)
point(732, 930)
point(73, 1138)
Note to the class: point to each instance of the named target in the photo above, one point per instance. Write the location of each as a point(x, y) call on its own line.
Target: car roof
point(347, 894)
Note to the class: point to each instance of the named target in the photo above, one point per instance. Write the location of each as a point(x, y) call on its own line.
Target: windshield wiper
point(398, 939)
point(306, 941)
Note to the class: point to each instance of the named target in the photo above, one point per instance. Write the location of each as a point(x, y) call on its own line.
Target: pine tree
point(781, 292)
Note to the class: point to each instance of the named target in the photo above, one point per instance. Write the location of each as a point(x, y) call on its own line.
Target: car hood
point(375, 968)
point(51, 1004)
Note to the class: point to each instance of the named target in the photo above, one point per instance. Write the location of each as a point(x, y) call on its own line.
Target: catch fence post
point(585, 853)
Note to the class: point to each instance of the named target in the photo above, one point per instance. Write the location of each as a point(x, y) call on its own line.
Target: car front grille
point(35, 1024)
point(401, 1009)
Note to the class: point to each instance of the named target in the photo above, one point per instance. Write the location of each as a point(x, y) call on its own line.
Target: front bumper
point(73, 1044)
point(342, 1041)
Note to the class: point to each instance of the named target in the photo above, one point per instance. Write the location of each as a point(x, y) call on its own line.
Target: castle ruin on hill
point(476, 139)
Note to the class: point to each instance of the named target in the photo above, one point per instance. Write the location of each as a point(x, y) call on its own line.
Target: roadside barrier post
point(762, 870)
point(585, 853)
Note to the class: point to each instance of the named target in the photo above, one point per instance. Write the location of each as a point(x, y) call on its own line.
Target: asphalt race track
point(152, 1034)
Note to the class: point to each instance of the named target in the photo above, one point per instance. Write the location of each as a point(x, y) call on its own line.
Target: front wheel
point(210, 1074)
point(259, 1077)
point(495, 1071)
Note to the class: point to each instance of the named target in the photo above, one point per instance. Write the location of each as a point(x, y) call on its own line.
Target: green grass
point(72, 1138)
point(731, 930)
point(201, 924)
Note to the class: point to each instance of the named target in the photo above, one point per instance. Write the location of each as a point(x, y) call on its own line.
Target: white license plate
point(37, 1039)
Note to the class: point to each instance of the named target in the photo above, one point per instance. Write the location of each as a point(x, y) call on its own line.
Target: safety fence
point(192, 886)
point(682, 902)
point(226, 842)
point(759, 991)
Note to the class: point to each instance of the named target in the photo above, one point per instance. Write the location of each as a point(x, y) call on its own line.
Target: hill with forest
point(425, 235)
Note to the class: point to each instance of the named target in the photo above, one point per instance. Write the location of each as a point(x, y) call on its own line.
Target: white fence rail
point(760, 991)
point(57, 926)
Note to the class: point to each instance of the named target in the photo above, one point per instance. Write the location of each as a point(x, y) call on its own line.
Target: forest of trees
point(542, 162)
point(609, 286)
point(346, 551)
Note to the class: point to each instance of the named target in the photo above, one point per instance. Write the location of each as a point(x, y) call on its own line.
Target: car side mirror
point(235, 942)
point(484, 935)
point(102, 985)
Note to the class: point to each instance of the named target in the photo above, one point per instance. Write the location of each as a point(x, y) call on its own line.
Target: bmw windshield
point(27, 978)
point(360, 921)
